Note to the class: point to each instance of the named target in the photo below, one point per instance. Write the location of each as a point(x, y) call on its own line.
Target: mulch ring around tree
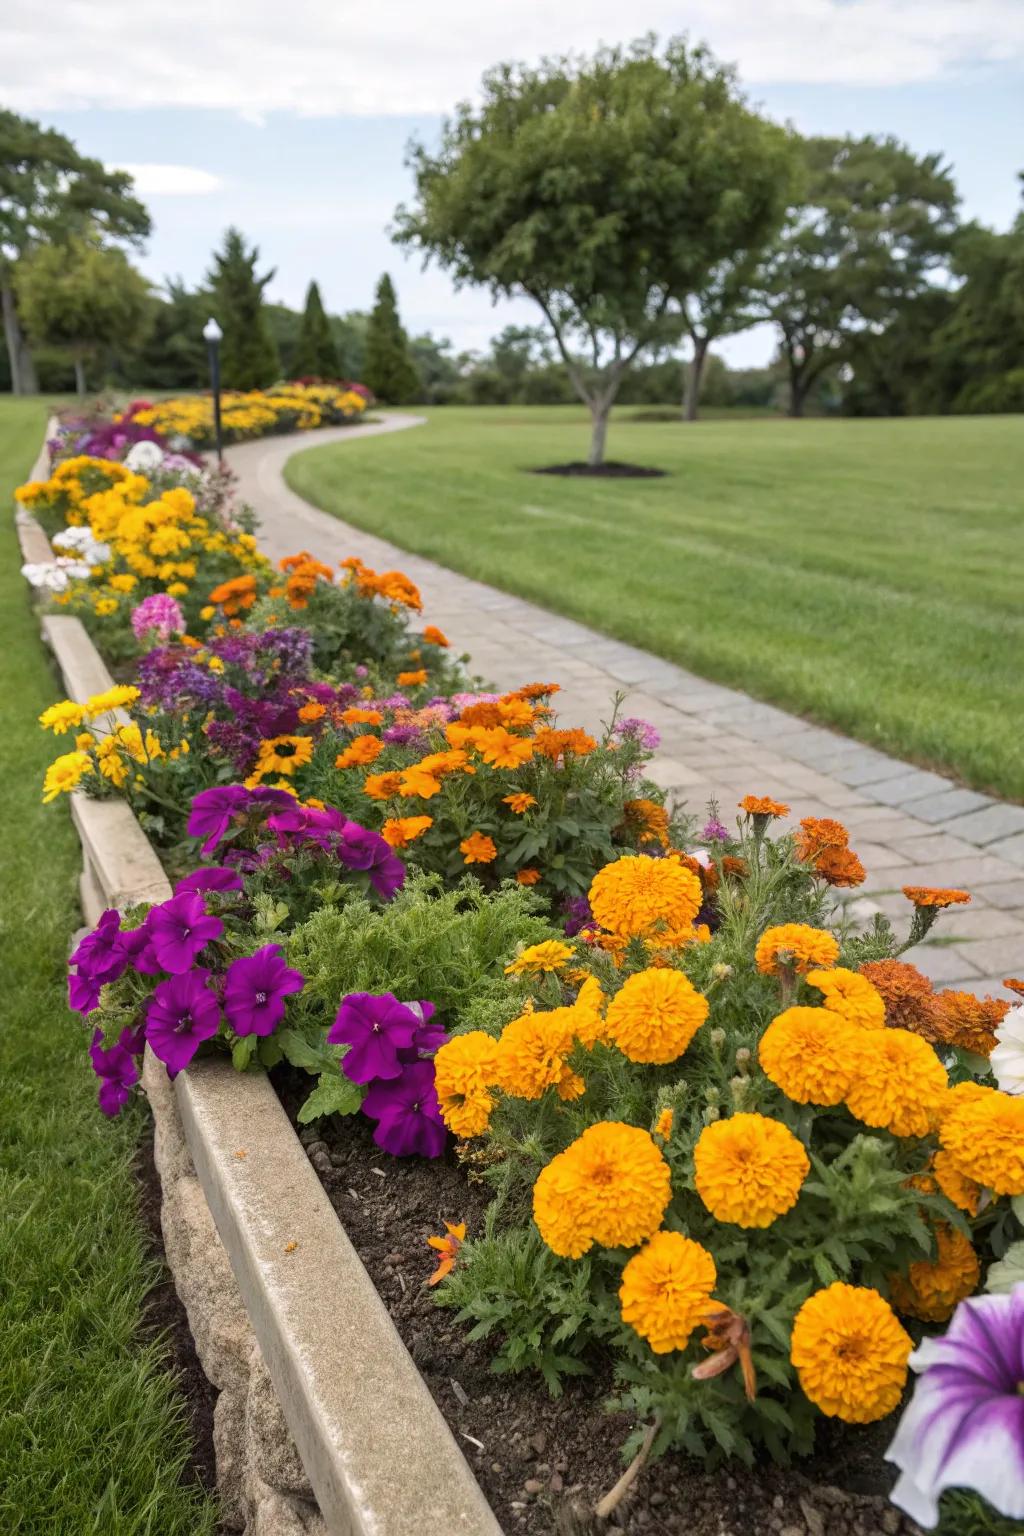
point(543, 1463)
point(611, 469)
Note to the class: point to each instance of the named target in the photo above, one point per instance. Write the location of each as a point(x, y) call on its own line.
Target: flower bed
point(740, 1160)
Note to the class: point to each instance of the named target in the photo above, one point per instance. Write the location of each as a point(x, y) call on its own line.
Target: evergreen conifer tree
point(388, 369)
point(248, 357)
point(316, 355)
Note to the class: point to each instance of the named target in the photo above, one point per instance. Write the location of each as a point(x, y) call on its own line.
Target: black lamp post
point(212, 334)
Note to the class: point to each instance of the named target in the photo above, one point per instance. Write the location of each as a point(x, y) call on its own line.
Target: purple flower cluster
point(640, 731)
point(577, 915)
point(157, 618)
point(715, 832)
point(390, 1044)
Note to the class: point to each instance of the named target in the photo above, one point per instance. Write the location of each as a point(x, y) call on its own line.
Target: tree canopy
point(605, 189)
point(249, 357)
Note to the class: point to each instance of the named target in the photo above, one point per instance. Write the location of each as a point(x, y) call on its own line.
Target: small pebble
point(533, 1485)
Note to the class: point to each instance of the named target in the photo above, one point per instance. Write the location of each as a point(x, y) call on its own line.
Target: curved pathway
point(909, 826)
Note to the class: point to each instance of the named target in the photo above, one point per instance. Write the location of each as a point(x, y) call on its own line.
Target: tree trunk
point(599, 412)
point(79, 377)
point(694, 377)
point(23, 371)
point(797, 396)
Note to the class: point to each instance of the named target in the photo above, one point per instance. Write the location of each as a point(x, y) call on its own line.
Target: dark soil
point(611, 469)
point(164, 1317)
point(544, 1463)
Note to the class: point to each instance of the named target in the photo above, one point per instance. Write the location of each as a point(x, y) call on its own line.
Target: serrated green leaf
point(331, 1096)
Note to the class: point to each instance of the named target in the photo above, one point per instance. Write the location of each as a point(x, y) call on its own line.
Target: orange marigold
point(935, 896)
point(399, 831)
point(816, 834)
point(588, 1020)
point(811, 1054)
point(355, 715)
point(908, 996)
point(850, 1353)
point(537, 690)
point(312, 711)
point(984, 1135)
point(1014, 984)
point(797, 945)
point(647, 820)
point(527, 876)
point(556, 744)
point(654, 1016)
point(415, 783)
point(519, 803)
point(749, 1169)
point(964, 1193)
point(637, 896)
point(851, 994)
point(532, 1052)
point(484, 714)
point(900, 1085)
point(665, 1290)
point(434, 636)
point(931, 1288)
point(477, 848)
point(501, 749)
point(763, 805)
point(360, 752)
point(840, 867)
point(414, 679)
point(969, 1022)
point(382, 786)
point(465, 1071)
point(611, 1187)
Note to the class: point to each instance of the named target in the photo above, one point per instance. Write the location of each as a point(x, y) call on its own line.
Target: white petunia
point(1007, 1058)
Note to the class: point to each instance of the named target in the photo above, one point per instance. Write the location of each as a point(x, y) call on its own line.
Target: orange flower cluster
point(763, 805)
point(648, 821)
point(936, 897)
point(236, 595)
point(942, 1018)
point(393, 586)
point(303, 574)
point(969, 1022)
point(824, 843)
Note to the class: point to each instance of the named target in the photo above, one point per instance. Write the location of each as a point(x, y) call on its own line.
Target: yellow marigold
point(665, 1290)
point(65, 773)
point(900, 1084)
point(519, 803)
point(637, 896)
point(851, 995)
point(62, 717)
point(663, 1124)
point(399, 831)
point(749, 1169)
point(931, 1288)
point(382, 786)
point(551, 955)
point(850, 1352)
point(532, 1053)
point(478, 849)
point(984, 1135)
point(797, 945)
point(360, 752)
point(648, 820)
point(964, 1193)
point(611, 1187)
point(118, 697)
point(416, 783)
point(934, 896)
point(763, 805)
point(588, 1020)
point(284, 754)
point(811, 1054)
point(465, 1071)
point(654, 1015)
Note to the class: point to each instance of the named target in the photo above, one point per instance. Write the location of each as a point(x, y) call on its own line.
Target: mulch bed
point(544, 1463)
point(612, 469)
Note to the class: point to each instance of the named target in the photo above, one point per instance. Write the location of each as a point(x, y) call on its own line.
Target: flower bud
point(721, 970)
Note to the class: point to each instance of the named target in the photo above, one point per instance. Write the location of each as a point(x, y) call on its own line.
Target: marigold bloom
point(527, 876)
point(654, 1015)
point(571, 743)
point(64, 774)
point(399, 831)
point(532, 1053)
point(1014, 984)
point(969, 1022)
point(984, 1135)
point(284, 754)
point(900, 1084)
point(908, 996)
point(477, 848)
point(519, 803)
point(637, 896)
point(312, 711)
point(935, 896)
point(414, 679)
point(588, 1021)
point(448, 1247)
point(433, 636)
point(850, 1353)
point(665, 1290)
point(118, 697)
point(501, 749)
point(763, 805)
point(648, 821)
point(797, 945)
point(840, 867)
point(850, 994)
point(465, 1071)
point(611, 1187)
point(663, 1124)
point(360, 752)
point(382, 786)
point(811, 1054)
point(816, 834)
point(355, 715)
point(416, 784)
point(749, 1169)
point(62, 717)
point(931, 1288)
point(551, 955)
point(964, 1193)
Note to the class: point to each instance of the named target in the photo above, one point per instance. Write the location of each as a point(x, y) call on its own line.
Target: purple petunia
point(408, 1115)
point(214, 877)
point(101, 954)
point(138, 946)
point(256, 988)
point(181, 1014)
point(364, 850)
point(377, 1027)
point(117, 1071)
point(964, 1426)
point(213, 811)
point(179, 929)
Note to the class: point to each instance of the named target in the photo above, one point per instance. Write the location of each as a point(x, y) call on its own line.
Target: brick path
point(909, 826)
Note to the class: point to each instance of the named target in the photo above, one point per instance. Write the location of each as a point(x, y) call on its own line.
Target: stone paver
point(911, 826)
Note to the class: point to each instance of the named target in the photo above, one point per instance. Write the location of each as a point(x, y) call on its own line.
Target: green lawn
point(865, 574)
point(93, 1437)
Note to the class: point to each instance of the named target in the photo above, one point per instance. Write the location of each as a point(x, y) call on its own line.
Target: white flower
point(80, 542)
point(144, 457)
point(701, 855)
point(1007, 1058)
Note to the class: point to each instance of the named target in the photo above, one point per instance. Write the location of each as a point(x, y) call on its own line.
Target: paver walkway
point(909, 826)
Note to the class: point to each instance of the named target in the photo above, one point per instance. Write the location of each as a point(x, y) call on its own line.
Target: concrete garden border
point(323, 1423)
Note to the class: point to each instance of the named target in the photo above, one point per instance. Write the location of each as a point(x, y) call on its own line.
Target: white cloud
point(329, 57)
point(172, 180)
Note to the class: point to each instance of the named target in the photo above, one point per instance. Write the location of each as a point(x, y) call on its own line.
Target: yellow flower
point(284, 754)
point(852, 995)
point(654, 1016)
point(932, 1287)
point(207, 612)
point(123, 582)
point(519, 803)
point(64, 773)
point(850, 1353)
point(964, 1193)
point(118, 697)
point(665, 1290)
point(900, 1084)
point(178, 589)
point(984, 1136)
point(465, 1070)
point(588, 1016)
point(795, 945)
point(610, 1187)
point(62, 717)
point(749, 1169)
point(532, 1053)
point(549, 956)
point(105, 606)
point(663, 1124)
point(637, 896)
point(811, 1054)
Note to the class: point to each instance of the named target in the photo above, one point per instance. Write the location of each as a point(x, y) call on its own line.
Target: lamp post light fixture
point(212, 334)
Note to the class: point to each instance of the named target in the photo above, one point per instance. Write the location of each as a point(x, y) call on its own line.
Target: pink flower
point(157, 618)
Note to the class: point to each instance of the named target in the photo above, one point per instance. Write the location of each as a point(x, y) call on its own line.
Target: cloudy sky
point(291, 119)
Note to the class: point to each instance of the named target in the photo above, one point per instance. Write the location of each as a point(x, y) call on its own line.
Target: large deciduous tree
point(872, 225)
point(48, 194)
point(249, 357)
point(82, 298)
point(606, 190)
point(388, 368)
point(978, 353)
point(315, 354)
point(722, 305)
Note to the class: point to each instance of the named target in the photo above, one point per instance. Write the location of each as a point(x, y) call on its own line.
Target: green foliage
point(315, 355)
point(173, 354)
point(82, 297)
point(388, 370)
point(248, 354)
point(977, 352)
